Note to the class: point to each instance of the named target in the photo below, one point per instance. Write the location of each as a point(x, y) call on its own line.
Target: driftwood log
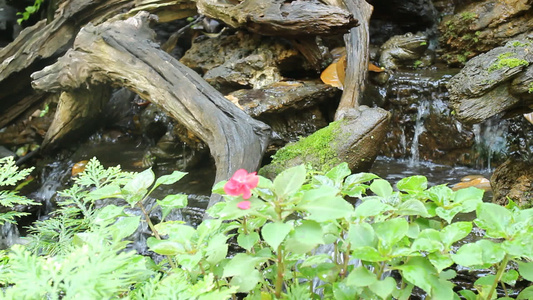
point(279, 17)
point(357, 56)
point(39, 45)
point(122, 52)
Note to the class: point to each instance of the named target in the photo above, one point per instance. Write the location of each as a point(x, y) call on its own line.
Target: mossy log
point(123, 53)
point(355, 139)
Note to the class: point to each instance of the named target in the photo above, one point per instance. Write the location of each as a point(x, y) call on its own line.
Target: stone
point(513, 180)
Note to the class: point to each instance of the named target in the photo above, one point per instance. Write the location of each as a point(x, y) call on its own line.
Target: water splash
point(423, 111)
point(490, 141)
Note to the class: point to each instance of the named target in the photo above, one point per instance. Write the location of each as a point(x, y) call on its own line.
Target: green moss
point(417, 64)
point(317, 148)
point(519, 44)
point(505, 60)
point(468, 16)
point(530, 88)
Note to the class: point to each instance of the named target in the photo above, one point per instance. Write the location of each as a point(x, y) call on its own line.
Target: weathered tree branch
point(122, 52)
point(279, 17)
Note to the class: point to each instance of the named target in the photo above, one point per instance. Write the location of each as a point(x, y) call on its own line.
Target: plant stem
point(154, 231)
point(499, 275)
point(279, 277)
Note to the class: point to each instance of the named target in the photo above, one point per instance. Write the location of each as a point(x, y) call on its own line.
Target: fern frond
point(10, 173)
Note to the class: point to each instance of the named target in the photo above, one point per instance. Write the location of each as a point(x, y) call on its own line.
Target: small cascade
point(54, 177)
point(423, 111)
point(490, 141)
point(9, 235)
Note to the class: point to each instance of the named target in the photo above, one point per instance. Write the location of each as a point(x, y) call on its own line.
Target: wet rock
point(483, 25)
point(485, 86)
point(244, 60)
point(422, 126)
point(513, 180)
point(154, 123)
point(354, 140)
point(403, 49)
point(291, 108)
point(393, 17)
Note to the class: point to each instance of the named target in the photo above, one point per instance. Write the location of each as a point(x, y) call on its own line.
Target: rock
point(422, 125)
point(477, 181)
point(392, 17)
point(244, 60)
point(513, 180)
point(485, 86)
point(401, 49)
point(354, 140)
point(483, 25)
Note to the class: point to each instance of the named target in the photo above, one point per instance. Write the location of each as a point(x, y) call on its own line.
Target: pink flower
point(241, 183)
point(244, 205)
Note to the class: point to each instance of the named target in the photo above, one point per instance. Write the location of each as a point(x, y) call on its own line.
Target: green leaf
point(339, 172)
point(361, 277)
point(246, 283)
point(494, 219)
point(469, 295)
point(391, 231)
point(164, 247)
point(492, 252)
point(247, 241)
point(304, 237)
point(526, 270)
point(169, 179)
point(289, 181)
point(171, 202)
point(372, 207)
point(510, 277)
point(108, 214)
point(367, 253)
point(469, 255)
point(468, 194)
point(526, 294)
point(362, 234)
point(242, 265)
point(323, 192)
point(455, 232)
point(108, 191)
point(176, 231)
point(316, 260)
point(440, 261)
point(135, 190)
point(418, 271)
point(383, 288)
point(124, 227)
point(327, 209)
point(381, 188)
point(217, 249)
point(412, 207)
point(413, 184)
point(448, 214)
point(428, 245)
point(275, 233)
point(140, 183)
point(359, 178)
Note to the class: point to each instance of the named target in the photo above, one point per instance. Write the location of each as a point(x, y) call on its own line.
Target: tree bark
point(121, 52)
point(279, 17)
point(357, 47)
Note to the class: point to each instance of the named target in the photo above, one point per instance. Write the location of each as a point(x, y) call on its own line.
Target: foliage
point(29, 11)
point(505, 60)
point(410, 231)
point(9, 176)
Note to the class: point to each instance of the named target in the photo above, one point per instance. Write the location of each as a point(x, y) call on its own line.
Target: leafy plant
point(275, 235)
point(9, 176)
point(30, 10)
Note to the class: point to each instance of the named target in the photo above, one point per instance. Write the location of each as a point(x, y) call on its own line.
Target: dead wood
point(122, 52)
point(76, 114)
point(39, 45)
point(279, 17)
point(357, 47)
